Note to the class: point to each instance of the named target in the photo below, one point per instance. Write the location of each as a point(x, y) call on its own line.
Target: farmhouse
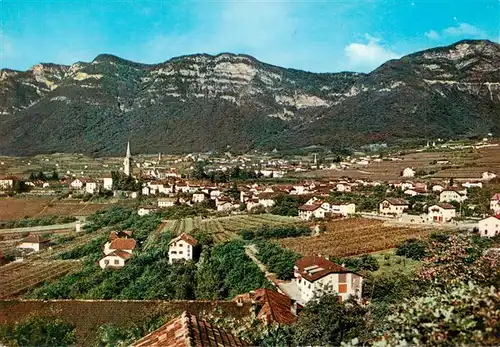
point(393, 206)
point(490, 226)
point(189, 331)
point(449, 195)
point(198, 197)
point(34, 242)
point(107, 182)
point(7, 182)
point(495, 203)
point(77, 183)
point(315, 274)
point(182, 248)
point(166, 202)
point(441, 213)
point(117, 252)
point(307, 212)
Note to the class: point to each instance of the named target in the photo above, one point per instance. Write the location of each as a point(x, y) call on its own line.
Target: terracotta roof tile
point(34, 238)
point(396, 201)
point(122, 244)
point(314, 267)
point(276, 307)
point(189, 331)
point(309, 207)
point(185, 237)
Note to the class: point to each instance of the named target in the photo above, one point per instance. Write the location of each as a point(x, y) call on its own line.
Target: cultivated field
point(16, 208)
point(16, 278)
point(354, 236)
point(223, 228)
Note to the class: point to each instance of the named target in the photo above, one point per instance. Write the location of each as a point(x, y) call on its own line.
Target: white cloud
point(461, 30)
point(367, 56)
point(433, 35)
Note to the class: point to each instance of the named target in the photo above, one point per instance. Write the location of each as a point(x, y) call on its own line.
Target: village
point(229, 200)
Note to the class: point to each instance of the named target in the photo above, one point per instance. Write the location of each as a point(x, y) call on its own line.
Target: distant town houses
point(183, 247)
point(166, 202)
point(315, 275)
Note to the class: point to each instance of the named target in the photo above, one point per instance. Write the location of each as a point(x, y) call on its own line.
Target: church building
point(127, 162)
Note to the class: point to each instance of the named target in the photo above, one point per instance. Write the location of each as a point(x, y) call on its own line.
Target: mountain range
point(202, 102)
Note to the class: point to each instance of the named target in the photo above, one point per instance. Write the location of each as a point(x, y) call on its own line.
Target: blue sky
point(320, 36)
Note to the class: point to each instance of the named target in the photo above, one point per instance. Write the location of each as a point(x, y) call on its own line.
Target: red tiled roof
point(446, 206)
point(276, 307)
point(496, 197)
point(122, 244)
point(189, 331)
point(326, 266)
point(309, 207)
point(185, 237)
point(34, 238)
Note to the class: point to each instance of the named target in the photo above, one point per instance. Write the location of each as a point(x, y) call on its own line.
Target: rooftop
point(314, 267)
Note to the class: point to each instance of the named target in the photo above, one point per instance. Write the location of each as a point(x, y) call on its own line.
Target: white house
point(489, 226)
point(198, 197)
point(182, 248)
point(91, 187)
point(77, 183)
point(393, 206)
point(343, 187)
point(7, 182)
point(437, 188)
point(495, 203)
point(315, 275)
point(34, 242)
point(449, 195)
point(441, 213)
point(144, 210)
point(408, 172)
point(307, 212)
point(107, 182)
point(343, 209)
point(115, 259)
point(488, 175)
point(472, 184)
point(166, 202)
point(267, 199)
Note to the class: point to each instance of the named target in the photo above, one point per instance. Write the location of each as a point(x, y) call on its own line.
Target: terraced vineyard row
point(225, 228)
point(352, 237)
point(16, 278)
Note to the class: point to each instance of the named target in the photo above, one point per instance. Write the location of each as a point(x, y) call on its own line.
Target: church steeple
point(128, 150)
point(127, 162)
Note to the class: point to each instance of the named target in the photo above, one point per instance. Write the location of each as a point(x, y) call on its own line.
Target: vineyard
point(16, 278)
point(224, 228)
point(355, 236)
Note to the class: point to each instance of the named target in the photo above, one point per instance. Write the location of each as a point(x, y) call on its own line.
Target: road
point(288, 288)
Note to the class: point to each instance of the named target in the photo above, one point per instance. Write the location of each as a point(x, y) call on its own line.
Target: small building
point(107, 182)
point(490, 226)
point(495, 203)
point(34, 242)
point(393, 206)
point(77, 183)
point(117, 251)
point(307, 212)
point(343, 208)
point(438, 188)
point(182, 247)
point(315, 274)
point(145, 210)
point(198, 197)
point(449, 195)
point(488, 175)
point(187, 330)
point(91, 187)
point(7, 182)
point(441, 213)
point(408, 172)
point(166, 202)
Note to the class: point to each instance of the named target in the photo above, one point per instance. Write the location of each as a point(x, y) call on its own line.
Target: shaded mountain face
point(203, 102)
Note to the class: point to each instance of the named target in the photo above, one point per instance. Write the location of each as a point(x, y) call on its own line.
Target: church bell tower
point(127, 162)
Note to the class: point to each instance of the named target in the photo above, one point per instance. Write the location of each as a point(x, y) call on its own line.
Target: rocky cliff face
point(202, 102)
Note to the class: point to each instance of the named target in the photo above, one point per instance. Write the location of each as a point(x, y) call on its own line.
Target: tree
point(463, 315)
point(39, 332)
point(55, 176)
point(327, 322)
point(412, 248)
